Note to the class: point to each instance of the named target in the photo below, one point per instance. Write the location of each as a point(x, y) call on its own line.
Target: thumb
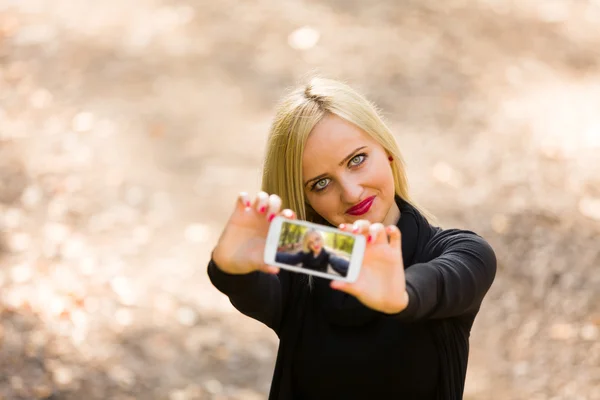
point(269, 269)
point(346, 287)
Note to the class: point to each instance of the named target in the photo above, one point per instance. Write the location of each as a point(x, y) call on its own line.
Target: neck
point(393, 215)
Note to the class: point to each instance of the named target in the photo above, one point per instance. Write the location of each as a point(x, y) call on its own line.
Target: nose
point(351, 191)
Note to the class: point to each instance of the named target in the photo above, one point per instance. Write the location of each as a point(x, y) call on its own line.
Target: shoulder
point(462, 244)
point(458, 237)
point(423, 242)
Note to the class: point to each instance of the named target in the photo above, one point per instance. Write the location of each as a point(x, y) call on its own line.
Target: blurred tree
point(291, 234)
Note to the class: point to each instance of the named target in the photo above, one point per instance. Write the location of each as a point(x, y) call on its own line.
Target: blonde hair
point(296, 116)
point(305, 239)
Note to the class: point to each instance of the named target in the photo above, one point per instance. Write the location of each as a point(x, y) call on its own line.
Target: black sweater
point(333, 347)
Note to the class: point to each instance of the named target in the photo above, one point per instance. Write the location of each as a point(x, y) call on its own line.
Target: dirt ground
point(128, 128)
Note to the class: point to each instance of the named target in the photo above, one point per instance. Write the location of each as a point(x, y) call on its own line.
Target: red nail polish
point(369, 239)
point(271, 217)
point(247, 204)
point(263, 209)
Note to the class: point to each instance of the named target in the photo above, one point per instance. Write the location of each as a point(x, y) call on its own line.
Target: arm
point(454, 281)
point(258, 295)
point(290, 259)
point(339, 264)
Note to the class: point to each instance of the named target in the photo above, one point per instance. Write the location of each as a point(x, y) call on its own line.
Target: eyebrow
point(348, 157)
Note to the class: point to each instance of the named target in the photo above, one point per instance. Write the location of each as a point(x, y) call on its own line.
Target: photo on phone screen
point(314, 249)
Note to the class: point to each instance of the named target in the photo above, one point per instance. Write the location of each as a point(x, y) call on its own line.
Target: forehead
point(332, 139)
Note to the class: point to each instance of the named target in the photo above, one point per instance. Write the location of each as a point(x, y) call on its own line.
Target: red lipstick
point(362, 207)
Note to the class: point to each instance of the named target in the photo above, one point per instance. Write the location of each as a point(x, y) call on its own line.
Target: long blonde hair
point(296, 116)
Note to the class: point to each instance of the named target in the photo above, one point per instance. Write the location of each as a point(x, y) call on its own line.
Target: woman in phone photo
point(401, 330)
point(314, 256)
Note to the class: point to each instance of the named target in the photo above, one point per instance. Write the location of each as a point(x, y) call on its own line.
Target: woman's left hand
point(381, 284)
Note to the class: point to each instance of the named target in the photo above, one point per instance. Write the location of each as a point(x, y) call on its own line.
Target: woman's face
point(347, 175)
point(315, 242)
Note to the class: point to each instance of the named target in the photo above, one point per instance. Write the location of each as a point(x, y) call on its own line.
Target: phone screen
point(309, 247)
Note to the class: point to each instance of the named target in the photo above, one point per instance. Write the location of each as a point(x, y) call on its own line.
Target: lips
point(362, 207)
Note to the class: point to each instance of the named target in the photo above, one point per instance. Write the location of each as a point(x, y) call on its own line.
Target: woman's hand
point(381, 284)
point(241, 247)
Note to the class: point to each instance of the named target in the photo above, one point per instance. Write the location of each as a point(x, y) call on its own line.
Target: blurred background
point(128, 128)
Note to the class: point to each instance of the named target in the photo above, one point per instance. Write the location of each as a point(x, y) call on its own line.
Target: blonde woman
point(402, 329)
point(314, 256)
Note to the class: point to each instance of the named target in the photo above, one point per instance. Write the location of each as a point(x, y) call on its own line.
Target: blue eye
point(320, 184)
point(357, 159)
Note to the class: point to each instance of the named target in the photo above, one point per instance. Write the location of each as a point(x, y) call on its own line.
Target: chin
point(381, 218)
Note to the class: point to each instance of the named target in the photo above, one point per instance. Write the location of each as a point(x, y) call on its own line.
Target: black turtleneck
point(332, 346)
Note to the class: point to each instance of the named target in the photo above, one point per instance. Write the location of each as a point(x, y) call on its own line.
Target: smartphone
point(314, 249)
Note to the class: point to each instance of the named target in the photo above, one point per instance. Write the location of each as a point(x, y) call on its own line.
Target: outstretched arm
point(258, 295)
point(339, 264)
point(457, 269)
point(455, 281)
point(237, 266)
point(290, 259)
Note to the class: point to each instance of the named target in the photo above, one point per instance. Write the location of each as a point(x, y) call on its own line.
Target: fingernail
point(369, 239)
point(342, 226)
point(355, 230)
point(248, 204)
point(263, 209)
point(271, 217)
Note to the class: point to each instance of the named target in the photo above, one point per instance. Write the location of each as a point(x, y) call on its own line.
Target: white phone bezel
point(356, 258)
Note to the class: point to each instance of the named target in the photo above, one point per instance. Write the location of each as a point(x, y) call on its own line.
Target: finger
point(260, 202)
point(289, 214)
point(273, 206)
point(269, 269)
point(243, 201)
point(345, 287)
point(377, 234)
point(345, 227)
point(395, 236)
point(360, 226)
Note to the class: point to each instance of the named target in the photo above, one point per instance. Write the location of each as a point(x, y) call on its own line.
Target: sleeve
point(258, 295)
point(339, 264)
point(455, 280)
point(290, 259)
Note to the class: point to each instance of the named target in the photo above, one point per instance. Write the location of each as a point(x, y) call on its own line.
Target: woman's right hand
point(241, 247)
